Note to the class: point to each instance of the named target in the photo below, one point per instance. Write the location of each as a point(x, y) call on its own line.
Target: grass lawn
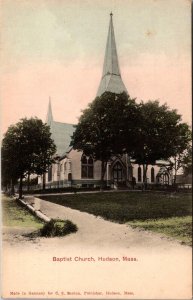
point(176, 227)
point(14, 215)
point(162, 212)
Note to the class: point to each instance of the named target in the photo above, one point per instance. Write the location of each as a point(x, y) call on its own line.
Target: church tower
point(49, 117)
point(111, 80)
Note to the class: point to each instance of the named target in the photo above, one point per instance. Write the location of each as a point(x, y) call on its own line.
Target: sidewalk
point(94, 230)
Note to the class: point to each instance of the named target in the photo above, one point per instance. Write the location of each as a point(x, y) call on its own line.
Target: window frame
point(87, 167)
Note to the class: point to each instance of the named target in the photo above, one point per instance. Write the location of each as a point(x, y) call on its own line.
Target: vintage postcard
point(101, 210)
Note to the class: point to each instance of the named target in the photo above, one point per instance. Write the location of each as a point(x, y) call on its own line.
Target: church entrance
point(118, 172)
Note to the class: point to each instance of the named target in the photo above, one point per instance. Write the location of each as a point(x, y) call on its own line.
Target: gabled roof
point(111, 78)
point(61, 132)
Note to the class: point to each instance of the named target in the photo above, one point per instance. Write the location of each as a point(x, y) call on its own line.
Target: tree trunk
point(12, 188)
point(20, 187)
point(103, 170)
point(28, 181)
point(44, 182)
point(175, 170)
point(144, 177)
point(174, 181)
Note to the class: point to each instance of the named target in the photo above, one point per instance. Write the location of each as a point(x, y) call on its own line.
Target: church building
point(73, 168)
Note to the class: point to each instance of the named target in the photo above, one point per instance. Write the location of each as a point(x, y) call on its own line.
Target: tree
point(182, 160)
point(30, 181)
point(104, 129)
point(27, 148)
point(8, 175)
point(187, 161)
point(114, 124)
point(160, 135)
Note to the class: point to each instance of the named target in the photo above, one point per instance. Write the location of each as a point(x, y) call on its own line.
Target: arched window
point(139, 174)
point(152, 174)
point(117, 172)
point(166, 179)
point(50, 173)
point(84, 159)
point(90, 167)
point(87, 167)
point(84, 166)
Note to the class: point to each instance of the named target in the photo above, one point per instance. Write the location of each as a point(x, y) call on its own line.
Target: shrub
point(62, 190)
point(57, 227)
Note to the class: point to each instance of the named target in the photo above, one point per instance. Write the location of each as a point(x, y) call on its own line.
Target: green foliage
point(100, 130)
point(62, 190)
point(182, 160)
point(160, 133)
point(27, 148)
point(32, 181)
point(9, 172)
point(107, 127)
point(115, 124)
point(57, 227)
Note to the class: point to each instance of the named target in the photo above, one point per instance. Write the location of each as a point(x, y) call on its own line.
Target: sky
point(55, 48)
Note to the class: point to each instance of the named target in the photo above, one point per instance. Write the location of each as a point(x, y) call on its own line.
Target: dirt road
point(102, 256)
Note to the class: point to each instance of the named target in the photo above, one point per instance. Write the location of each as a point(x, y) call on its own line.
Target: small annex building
point(73, 168)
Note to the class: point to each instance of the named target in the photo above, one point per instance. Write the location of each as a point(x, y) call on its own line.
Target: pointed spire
point(111, 78)
point(111, 64)
point(49, 117)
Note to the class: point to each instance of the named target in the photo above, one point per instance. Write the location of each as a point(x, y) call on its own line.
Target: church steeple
point(49, 117)
point(111, 78)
